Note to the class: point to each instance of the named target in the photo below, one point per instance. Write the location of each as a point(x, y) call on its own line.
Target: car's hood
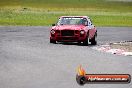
point(69, 27)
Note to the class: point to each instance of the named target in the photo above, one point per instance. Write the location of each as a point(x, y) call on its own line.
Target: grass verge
point(42, 12)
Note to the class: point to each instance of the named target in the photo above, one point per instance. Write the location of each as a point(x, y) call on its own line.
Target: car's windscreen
point(71, 21)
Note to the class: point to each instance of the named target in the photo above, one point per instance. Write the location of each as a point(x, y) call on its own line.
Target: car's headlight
point(82, 32)
point(52, 31)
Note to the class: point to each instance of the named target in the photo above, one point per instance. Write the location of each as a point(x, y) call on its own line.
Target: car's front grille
point(67, 33)
point(69, 38)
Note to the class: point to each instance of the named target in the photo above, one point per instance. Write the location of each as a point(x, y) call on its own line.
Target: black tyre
point(93, 41)
point(79, 43)
point(52, 41)
point(85, 43)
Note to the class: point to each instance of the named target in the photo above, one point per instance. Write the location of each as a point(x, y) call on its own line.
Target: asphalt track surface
point(28, 60)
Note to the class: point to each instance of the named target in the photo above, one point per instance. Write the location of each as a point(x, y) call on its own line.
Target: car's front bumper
point(68, 38)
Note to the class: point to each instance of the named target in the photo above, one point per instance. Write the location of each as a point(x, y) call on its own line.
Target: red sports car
point(74, 29)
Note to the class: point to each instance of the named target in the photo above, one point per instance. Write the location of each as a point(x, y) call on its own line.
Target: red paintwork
point(76, 38)
point(70, 27)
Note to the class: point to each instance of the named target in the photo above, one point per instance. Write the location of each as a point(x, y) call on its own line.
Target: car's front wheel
point(86, 42)
point(52, 41)
point(93, 40)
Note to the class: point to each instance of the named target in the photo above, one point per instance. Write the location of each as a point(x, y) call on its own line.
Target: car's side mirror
point(86, 23)
point(53, 24)
point(91, 27)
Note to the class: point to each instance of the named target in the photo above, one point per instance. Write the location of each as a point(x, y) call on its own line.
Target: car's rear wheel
point(52, 41)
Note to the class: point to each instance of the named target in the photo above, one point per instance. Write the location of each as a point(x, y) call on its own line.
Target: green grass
point(46, 12)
